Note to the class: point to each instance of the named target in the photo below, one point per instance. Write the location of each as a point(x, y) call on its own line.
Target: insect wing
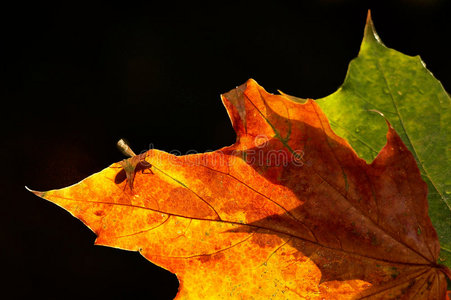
point(125, 148)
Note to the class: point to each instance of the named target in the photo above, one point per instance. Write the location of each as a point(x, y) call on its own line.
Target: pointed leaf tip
point(293, 98)
point(368, 16)
point(370, 34)
point(390, 127)
point(37, 193)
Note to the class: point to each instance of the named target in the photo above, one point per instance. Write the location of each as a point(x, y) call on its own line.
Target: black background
point(81, 76)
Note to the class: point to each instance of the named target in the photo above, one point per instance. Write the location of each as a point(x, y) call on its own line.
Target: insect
point(131, 165)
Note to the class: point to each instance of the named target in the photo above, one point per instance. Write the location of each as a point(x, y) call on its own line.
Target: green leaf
point(415, 103)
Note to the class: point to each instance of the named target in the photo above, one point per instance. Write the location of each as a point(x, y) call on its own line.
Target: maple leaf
point(287, 212)
point(414, 102)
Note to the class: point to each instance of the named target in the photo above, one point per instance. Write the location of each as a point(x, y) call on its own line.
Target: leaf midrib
point(430, 265)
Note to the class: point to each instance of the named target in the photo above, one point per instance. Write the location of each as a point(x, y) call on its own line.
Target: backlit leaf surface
point(287, 212)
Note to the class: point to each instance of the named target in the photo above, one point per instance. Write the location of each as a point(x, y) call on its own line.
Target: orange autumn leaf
point(287, 212)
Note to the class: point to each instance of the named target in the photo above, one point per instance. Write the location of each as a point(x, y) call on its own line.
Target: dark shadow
point(141, 166)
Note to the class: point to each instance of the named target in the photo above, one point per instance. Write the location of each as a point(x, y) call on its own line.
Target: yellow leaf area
point(287, 212)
